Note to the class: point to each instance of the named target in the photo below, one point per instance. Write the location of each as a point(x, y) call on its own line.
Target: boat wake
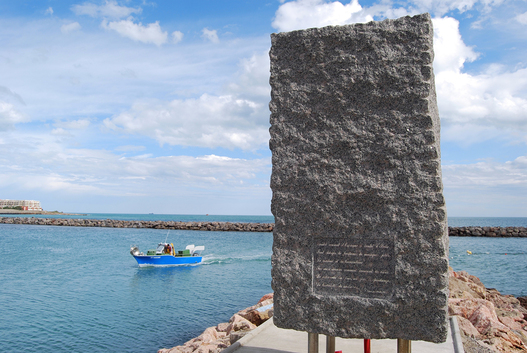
point(220, 260)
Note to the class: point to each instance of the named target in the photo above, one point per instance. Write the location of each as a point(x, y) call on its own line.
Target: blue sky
point(162, 106)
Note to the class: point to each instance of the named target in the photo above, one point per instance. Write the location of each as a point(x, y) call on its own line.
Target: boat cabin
point(168, 249)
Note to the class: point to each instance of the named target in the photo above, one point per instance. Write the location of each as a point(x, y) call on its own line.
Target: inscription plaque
point(353, 266)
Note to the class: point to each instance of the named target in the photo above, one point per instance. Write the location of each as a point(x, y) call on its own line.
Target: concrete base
point(268, 338)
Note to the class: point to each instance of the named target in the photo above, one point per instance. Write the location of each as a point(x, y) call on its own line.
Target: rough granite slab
point(360, 240)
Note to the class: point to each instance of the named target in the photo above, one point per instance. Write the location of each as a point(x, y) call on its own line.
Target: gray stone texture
point(360, 240)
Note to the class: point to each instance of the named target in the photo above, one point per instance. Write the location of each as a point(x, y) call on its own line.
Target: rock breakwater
point(496, 232)
point(112, 223)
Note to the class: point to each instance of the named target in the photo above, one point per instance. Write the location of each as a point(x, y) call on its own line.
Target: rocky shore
point(496, 232)
point(217, 338)
point(112, 223)
point(489, 321)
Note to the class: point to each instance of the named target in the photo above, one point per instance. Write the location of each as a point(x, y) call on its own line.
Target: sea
point(74, 289)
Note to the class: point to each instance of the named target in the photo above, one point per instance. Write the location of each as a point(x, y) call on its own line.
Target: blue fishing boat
point(166, 255)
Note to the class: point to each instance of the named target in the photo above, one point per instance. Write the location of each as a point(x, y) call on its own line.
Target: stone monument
point(360, 240)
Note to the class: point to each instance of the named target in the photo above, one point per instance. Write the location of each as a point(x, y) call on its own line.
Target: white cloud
point(209, 121)
point(9, 116)
point(110, 9)
point(440, 7)
point(80, 124)
point(236, 119)
point(177, 36)
point(98, 75)
point(61, 132)
point(211, 35)
point(10, 113)
point(466, 134)
point(301, 14)
point(70, 27)
point(487, 188)
point(487, 173)
point(150, 33)
point(253, 78)
point(494, 98)
point(522, 18)
point(451, 53)
point(48, 166)
point(49, 11)
point(9, 95)
point(491, 98)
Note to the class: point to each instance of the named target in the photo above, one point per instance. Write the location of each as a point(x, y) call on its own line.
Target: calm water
point(487, 221)
point(500, 263)
point(67, 289)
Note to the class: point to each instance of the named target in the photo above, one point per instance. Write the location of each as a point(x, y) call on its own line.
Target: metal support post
point(404, 346)
point(367, 345)
point(312, 342)
point(330, 344)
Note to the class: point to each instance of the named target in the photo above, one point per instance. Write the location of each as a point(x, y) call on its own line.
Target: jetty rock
point(492, 232)
point(489, 321)
point(215, 339)
point(115, 223)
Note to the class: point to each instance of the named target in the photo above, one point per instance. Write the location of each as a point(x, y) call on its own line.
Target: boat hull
point(166, 260)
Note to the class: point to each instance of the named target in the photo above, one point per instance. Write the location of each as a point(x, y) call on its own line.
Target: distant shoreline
point(11, 211)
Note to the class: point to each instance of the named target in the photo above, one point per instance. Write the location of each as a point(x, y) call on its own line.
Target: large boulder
point(236, 335)
point(239, 323)
point(463, 285)
point(259, 313)
point(271, 296)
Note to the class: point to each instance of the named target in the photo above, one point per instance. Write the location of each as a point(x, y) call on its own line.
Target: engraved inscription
point(354, 267)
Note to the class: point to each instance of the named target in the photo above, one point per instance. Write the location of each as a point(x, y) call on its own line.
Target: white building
point(26, 205)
